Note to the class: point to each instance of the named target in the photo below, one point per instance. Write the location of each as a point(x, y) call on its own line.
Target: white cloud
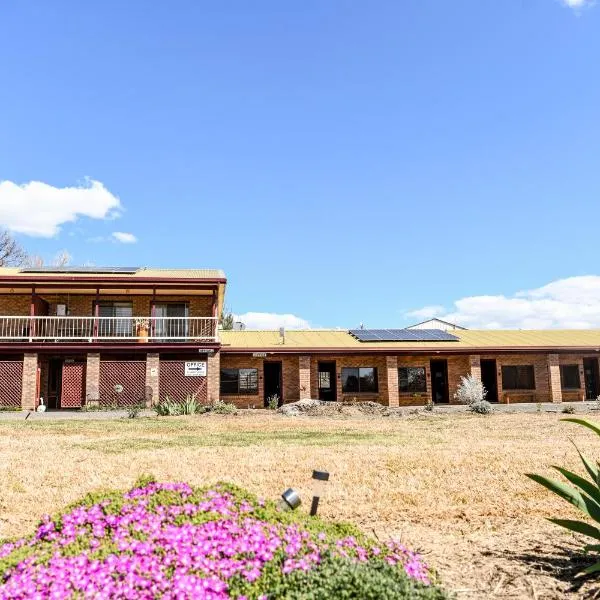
point(124, 238)
point(427, 312)
point(39, 209)
point(578, 4)
point(571, 303)
point(261, 320)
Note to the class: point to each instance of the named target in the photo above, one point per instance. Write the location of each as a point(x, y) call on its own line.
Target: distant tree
point(227, 320)
point(61, 259)
point(11, 252)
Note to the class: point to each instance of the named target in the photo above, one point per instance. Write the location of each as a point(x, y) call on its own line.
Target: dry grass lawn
point(451, 486)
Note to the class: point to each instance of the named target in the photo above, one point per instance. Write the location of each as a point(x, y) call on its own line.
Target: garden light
point(290, 500)
point(320, 479)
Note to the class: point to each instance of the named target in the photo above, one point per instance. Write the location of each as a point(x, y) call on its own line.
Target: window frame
point(359, 379)
point(517, 378)
point(408, 390)
point(562, 378)
point(240, 391)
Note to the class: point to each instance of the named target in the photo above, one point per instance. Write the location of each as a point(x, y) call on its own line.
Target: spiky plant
point(583, 494)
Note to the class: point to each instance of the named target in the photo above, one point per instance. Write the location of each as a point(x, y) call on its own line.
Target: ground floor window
point(518, 377)
point(359, 379)
point(239, 381)
point(412, 379)
point(569, 377)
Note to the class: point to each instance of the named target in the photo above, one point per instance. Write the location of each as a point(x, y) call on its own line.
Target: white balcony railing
point(105, 329)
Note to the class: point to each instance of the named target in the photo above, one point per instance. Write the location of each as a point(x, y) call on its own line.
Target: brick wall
point(82, 305)
point(29, 386)
point(214, 377)
point(304, 376)
point(92, 377)
point(152, 377)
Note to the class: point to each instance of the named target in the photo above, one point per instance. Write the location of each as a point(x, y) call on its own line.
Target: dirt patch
point(322, 408)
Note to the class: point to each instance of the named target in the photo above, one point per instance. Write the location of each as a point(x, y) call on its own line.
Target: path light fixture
point(320, 479)
point(290, 500)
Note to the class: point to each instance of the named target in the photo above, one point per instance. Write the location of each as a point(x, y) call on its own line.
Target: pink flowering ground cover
point(168, 540)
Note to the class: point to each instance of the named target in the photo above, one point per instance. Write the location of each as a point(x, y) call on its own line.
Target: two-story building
point(113, 336)
point(116, 337)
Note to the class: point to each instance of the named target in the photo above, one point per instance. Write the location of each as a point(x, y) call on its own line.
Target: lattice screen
point(176, 385)
point(73, 385)
point(11, 375)
point(130, 375)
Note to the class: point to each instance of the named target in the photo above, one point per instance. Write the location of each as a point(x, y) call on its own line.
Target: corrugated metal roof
point(481, 339)
point(148, 272)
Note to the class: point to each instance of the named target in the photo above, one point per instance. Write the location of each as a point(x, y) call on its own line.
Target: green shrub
point(134, 410)
point(481, 408)
point(222, 408)
point(341, 578)
point(584, 494)
point(168, 408)
point(568, 410)
point(273, 402)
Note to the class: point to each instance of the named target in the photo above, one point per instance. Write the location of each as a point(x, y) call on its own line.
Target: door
point(439, 381)
point(171, 320)
point(72, 389)
point(327, 382)
point(489, 378)
point(590, 370)
point(54, 382)
point(272, 380)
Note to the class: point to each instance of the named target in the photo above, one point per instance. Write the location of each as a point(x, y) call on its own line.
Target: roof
point(142, 272)
point(335, 339)
point(435, 320)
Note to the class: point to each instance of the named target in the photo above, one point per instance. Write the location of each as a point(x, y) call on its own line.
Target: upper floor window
point(116, 319)
point(412, 379)
point(519, 377)
point(359, 379)
point(569, 377)
point(239, 381)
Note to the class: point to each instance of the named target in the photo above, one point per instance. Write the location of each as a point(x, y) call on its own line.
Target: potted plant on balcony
point(142, 327)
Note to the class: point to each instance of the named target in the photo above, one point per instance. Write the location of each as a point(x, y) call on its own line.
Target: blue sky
point(343, 162)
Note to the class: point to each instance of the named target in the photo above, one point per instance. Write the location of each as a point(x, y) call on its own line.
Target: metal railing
point(91, 329)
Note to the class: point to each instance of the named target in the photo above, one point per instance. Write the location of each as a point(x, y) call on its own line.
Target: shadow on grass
point(562, 563)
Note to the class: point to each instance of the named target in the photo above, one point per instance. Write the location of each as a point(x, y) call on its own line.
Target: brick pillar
point(92, 378)
point(304, 373)
point(214, 376)
point(554, 378)
point(475, 362)
point(152, 378)
point(391, 364)
point(29, 386)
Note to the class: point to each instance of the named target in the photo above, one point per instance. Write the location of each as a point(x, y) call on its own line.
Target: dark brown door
point(489, 378)
point(590, 370)
point(439, 381)
point(54, 382)
point(73, 385)
point(272, 380)
point(326, 381)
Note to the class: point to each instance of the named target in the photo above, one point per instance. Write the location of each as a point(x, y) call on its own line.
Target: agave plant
point(584, 494)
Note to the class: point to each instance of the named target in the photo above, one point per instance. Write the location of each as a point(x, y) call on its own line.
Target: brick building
point(122, 336)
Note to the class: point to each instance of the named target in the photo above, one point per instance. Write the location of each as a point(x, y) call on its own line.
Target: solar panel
point(402, 335)
point(91, 270)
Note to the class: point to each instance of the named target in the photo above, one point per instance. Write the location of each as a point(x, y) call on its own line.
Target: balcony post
point(96, 314)
point(153, 315)
point(32, 314)
point(215, 321)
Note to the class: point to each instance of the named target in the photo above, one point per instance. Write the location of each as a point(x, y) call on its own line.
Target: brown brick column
point(475, 362)
point(304, 375)
point(92, 377)
point(554, 378)
point(391, 364)
point(152, 378)
point(29, 387)
point(214, 376)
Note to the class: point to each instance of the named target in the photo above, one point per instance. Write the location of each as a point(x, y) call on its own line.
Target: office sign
point(195, 369)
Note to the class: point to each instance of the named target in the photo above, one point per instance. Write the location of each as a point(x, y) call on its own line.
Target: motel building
point(122, 336)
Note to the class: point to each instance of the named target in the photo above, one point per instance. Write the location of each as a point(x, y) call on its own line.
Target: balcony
point(163, 330)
